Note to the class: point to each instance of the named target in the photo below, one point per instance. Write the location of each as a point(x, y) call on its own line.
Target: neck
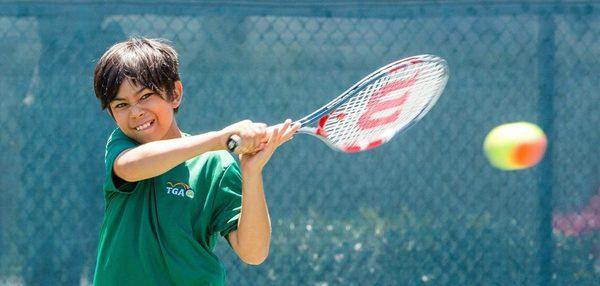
point(174, 131)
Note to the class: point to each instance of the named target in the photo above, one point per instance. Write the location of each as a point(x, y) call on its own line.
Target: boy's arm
point(252, 238)
point(155, 158)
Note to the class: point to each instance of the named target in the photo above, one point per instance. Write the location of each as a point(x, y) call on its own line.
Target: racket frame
point(348, 94)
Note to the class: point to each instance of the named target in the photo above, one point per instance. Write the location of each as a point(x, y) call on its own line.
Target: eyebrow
point(136, 93)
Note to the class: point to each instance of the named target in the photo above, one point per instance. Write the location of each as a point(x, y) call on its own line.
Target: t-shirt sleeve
point(228, 200)
point(117, 143)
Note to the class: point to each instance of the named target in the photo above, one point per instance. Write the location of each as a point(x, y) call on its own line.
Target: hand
point(253, 136)
point(277, 135)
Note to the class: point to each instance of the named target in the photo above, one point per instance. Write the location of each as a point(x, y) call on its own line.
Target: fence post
point(547, 68)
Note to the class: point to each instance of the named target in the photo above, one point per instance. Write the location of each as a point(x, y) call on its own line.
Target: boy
point(168, 194)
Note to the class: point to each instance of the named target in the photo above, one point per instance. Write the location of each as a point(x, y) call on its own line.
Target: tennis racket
point(375, 109)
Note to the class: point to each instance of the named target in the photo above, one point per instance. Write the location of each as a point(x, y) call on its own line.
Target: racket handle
point(233, 142)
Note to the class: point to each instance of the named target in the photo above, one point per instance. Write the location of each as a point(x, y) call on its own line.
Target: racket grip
point(233, 142)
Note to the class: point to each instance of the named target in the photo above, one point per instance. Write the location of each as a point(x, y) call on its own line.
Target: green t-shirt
point(162, 230)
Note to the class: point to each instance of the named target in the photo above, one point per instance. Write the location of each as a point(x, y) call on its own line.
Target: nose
point(136, 111)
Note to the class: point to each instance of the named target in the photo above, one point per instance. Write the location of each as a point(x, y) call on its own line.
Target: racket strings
point(343, 128)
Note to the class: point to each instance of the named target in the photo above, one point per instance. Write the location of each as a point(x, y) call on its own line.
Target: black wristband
point(233, 142)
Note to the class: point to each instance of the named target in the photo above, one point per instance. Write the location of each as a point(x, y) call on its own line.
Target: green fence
point(425, 209)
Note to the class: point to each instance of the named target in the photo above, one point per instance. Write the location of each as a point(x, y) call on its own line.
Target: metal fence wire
point(425, 209)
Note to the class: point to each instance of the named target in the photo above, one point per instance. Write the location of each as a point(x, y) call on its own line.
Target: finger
point(262, 127)
point(252, 134)
point(256, 127)
point(266, 133)
point(290, 132)
point(248, 141)
point(274, 136)
point(261, 147)
point(262, 135)
point(261, 131)
point(286, 125)
point(296, 126)
point(288, 137)
point(282, 130)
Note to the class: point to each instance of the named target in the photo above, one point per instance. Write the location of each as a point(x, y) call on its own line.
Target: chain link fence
point(425, 209)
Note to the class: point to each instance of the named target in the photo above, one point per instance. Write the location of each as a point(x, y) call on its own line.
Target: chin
point(142, 138)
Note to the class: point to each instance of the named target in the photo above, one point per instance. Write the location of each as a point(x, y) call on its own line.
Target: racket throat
point(321, 126)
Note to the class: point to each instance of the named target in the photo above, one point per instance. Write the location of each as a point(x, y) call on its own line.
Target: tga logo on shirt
point(179, 189)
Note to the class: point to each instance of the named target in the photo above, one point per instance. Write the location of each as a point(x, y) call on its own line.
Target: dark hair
point(151, 63)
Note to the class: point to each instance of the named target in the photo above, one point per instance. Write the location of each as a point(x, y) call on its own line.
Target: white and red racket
point(379, 106)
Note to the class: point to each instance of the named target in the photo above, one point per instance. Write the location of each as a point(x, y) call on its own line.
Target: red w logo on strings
point(379, 104)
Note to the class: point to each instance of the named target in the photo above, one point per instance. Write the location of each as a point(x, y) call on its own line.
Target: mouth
point(145, 126)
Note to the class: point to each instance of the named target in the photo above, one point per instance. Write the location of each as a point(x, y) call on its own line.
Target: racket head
point(384, 103)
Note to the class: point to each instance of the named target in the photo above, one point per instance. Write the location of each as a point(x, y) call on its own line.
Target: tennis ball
point(515, 146)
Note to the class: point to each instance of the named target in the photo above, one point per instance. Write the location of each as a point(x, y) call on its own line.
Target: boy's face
point(144, 115)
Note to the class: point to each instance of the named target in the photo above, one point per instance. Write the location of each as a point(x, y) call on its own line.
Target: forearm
point(155, 158)
point(254, 225)
point(252, 238)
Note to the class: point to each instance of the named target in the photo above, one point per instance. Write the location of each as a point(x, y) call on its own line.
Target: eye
point(145, 96)
point(120, 105)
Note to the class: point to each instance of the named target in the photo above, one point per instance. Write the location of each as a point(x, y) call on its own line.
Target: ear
point(177, 94)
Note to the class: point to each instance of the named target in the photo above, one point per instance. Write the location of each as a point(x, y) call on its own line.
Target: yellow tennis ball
point(515, 146)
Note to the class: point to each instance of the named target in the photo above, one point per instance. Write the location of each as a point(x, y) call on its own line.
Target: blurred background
point(424, 209)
